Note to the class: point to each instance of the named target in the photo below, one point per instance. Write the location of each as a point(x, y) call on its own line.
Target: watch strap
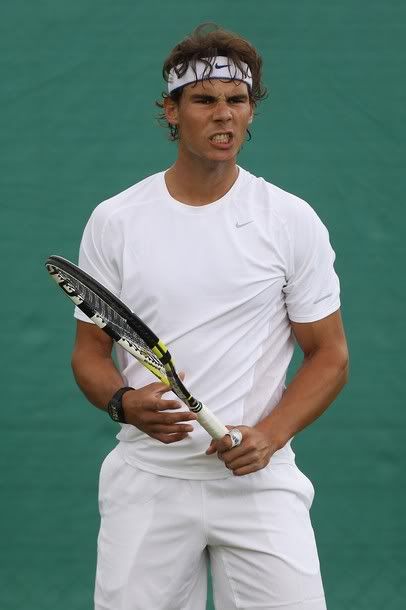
point(115, 406)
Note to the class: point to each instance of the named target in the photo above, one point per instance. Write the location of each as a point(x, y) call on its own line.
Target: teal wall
point(78, 84)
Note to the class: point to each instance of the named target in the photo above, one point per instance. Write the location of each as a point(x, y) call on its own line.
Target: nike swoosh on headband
point(199, 72)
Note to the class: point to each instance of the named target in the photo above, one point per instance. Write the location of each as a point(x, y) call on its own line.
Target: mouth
point(222, 139)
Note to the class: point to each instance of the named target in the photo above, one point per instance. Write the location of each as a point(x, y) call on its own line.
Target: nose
point(222, 111)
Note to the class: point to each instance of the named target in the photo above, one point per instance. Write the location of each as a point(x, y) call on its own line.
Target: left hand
point(253, 454)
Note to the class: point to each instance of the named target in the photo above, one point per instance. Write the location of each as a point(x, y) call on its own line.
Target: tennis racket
point(128, 330)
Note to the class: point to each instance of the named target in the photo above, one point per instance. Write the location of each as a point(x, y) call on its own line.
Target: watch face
point(114, 412)
point(115, 407)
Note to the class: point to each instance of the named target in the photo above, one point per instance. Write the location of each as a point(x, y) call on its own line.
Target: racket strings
point(118, 324)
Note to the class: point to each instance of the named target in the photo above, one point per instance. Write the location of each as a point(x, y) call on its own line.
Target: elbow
point(334, 360)
point(78, 364)
point(343, 365)
point(74, 360)
point(75, 368)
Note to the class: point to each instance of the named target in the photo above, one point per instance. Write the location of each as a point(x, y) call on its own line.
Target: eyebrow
point(206, 96)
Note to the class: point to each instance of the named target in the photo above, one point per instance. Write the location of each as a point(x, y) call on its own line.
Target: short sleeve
point(97, 255)
point(312, 289)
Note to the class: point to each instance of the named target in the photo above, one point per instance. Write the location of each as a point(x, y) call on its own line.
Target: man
point(229, 270)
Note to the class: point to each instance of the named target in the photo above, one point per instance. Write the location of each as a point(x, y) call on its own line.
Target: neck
point(195, 182)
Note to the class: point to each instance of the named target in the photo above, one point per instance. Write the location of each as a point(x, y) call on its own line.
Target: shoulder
point(282, 206)
point(131, 200)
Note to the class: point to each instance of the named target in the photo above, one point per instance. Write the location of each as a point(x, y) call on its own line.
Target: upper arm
point(327, 333)
point(312, 288)
point(91, 340)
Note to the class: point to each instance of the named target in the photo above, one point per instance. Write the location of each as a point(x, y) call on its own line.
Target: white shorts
point(157, 534)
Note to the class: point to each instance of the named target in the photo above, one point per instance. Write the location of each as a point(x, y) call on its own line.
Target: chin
point(223, 155)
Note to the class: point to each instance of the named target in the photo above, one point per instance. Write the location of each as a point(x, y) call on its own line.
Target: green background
point(78, 84)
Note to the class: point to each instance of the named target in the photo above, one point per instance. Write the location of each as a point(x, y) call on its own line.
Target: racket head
point(111, 315)
point(128, 330)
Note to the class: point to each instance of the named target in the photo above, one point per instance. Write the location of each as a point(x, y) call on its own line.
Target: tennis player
point(230, 271)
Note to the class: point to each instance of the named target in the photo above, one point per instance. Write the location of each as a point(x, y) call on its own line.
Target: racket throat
point(195, 406)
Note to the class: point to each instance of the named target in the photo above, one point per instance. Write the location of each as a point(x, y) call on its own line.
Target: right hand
point(145, 409)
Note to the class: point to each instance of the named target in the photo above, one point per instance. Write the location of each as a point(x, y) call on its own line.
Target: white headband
point(222, 68)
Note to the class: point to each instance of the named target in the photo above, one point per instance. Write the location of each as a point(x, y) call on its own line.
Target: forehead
point(216, 87)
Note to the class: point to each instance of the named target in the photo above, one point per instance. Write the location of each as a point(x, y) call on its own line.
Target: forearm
point(145, 408)
point(313, 388)
point(97, 377)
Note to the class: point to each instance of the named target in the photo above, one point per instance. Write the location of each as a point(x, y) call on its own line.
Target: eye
point(204, 100)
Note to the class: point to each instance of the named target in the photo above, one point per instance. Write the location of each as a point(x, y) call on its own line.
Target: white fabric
point(157, 532)
point(218, 284)
point(222, 68)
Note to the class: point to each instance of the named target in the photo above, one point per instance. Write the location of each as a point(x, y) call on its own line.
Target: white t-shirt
point(218, 284)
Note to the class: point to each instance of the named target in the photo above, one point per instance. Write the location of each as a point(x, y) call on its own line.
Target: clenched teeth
point(222, 138)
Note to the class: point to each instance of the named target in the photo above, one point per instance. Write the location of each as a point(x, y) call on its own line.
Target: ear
point(252, 114)
point(171, 111)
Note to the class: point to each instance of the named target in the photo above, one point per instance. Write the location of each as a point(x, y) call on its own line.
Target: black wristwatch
point(115, 405)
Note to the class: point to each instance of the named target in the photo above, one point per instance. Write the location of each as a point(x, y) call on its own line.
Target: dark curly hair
point(210, 40)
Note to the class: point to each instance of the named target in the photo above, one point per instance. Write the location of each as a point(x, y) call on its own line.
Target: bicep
point(327, 333)
point(91, 340)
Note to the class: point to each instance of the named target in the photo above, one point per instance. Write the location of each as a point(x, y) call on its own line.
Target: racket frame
point(63, 272)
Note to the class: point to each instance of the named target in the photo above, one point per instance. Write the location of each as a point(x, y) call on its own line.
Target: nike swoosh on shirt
point(242, 224)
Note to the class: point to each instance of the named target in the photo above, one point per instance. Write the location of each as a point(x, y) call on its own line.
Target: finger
point(212, 448)
point(170, 419)
point(159, 393)
point(162, 388)
point(173, 418)
point(219, 444)
point(174, 429)
point(227, 456)
point(235, 437)
point(232, 454)
point(158, 386)
point(241, 461)
point(239, 472)
point(164, 405)
point(230, 440)
point(151, 405)
point(224, 444)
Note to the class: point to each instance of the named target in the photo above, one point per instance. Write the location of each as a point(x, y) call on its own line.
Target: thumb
point(162, 387)
point(224, 443)
point(220, 444)
point(212, 448)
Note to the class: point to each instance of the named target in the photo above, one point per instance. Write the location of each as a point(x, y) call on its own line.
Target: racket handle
point(211, 423)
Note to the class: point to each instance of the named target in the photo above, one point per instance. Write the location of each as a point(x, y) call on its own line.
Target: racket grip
point(211, 423)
